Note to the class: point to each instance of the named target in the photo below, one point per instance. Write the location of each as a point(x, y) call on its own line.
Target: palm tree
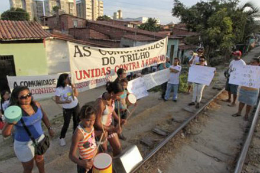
point(150, 25)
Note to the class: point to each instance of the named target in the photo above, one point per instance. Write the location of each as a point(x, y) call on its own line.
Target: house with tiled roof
point(22, 49)
point(111, 34)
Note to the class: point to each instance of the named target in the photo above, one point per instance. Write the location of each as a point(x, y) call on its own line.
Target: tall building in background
point(27, 5)
point(40, 8)
point(68, 6)
point(118, 15)
point(89, 9)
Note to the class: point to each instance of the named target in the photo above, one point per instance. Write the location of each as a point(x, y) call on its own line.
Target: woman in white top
point(66, 95)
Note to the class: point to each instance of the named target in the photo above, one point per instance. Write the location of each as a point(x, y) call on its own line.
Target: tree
point(221, 24)
point(15, 14)
point(150, 25)
point(103, 18)
point(55, 9)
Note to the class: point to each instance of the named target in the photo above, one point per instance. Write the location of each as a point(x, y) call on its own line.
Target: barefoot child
point(83, 140)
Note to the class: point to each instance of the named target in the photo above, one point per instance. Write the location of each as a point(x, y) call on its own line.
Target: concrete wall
point(29, 58)
point(57, 56)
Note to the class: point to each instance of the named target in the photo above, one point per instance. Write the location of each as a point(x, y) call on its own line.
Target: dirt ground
point(202, 146)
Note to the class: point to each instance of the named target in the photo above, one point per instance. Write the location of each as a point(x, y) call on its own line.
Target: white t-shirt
point(236, 63)
point(66, 94)
point(174, 77)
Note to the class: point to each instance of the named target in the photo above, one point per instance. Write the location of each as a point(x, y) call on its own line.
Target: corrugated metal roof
point(21, 30)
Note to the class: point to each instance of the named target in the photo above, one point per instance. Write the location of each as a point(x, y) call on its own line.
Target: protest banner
point(201, 74)
point(87, 63)
point(40, 86)
point(247, 75)
point(156, 78)
point(137, 87)
point(44, 86)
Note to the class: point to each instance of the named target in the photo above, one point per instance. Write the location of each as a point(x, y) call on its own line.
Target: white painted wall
point(57, 56)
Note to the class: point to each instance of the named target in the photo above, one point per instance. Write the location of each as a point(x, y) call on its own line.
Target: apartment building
point(39, 8)
point(89, 9)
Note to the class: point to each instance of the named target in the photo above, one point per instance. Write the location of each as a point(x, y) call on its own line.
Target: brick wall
point(81, 34)
point(114, 33)
point(52, 23)
point(97, 35)
point(102, 39)
point(65, 22)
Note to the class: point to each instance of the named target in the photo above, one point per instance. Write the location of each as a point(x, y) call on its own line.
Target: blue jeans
point(169, 89)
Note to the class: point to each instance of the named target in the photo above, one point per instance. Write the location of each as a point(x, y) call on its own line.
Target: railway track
point(183, 125)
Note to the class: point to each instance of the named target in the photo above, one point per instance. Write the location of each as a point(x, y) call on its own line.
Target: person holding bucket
point(105, 112)
point(29, 135)
point(83, 140)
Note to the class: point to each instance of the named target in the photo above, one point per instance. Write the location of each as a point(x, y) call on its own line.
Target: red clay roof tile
point(21, 30)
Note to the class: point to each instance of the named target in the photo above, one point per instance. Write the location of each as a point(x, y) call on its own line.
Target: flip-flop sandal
point(236, 115)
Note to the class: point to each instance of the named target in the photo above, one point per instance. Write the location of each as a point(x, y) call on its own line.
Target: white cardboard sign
point(247, 75)
point(201, 74)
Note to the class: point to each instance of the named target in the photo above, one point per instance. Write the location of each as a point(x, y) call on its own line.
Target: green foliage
point(220, 30)
point(220, 23)
point(150, 25)
point(15, 14)
point(55, 8)
point(183, 86)
point(103, 18)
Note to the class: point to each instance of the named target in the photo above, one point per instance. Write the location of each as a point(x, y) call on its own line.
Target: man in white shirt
point(231, 88)
point(173, 81)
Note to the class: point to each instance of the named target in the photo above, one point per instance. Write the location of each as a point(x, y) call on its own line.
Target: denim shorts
point(231, 88)
point(248, 97)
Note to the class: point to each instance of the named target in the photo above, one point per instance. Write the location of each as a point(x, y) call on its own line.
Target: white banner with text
point(88, 63)
point(43, 87)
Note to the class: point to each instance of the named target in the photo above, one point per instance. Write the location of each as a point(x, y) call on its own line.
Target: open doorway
point(7, 67)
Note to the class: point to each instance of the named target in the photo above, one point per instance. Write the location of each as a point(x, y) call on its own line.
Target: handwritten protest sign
point(138, 88)
point(88, 63)
point(247, 75)
point(157, 78)
point(40, 86)
point(201, 74)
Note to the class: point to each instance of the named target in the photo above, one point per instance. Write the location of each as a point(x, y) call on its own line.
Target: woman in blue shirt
point(32, 115)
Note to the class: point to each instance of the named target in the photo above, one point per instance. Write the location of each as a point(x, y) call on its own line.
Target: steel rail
point(168, 138)
point(243, 154)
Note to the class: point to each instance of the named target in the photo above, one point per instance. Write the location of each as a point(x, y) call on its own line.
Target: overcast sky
point(160, 9)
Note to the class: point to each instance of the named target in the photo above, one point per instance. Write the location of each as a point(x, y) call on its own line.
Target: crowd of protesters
point(94, 126)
